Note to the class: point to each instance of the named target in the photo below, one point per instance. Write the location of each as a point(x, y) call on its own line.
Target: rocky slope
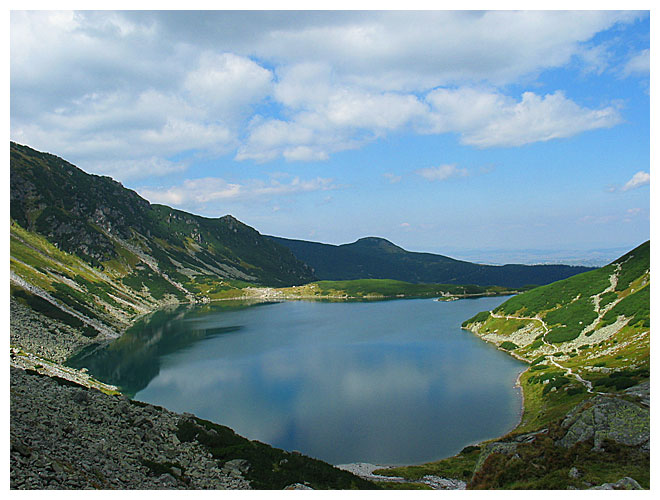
point(88, 256)
point(129, 240)
point(64, 436)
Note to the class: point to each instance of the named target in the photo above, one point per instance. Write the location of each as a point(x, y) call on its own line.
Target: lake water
point(388, 382)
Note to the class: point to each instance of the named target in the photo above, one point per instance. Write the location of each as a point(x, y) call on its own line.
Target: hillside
point(87, 256)
point(109, 226)
point(369, 258)
point(586, 391)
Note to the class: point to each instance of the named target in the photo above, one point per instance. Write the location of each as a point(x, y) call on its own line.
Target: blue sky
point(464, 133)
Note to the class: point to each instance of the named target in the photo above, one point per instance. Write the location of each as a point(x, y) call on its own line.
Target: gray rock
point(496, 447)
point(297, 486)
point(603, 417)
point(625, 483)
point(574, 473)
point(238, 464)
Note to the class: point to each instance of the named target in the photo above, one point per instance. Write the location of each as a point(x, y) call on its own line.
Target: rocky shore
point(43, 336)
point(64, 436)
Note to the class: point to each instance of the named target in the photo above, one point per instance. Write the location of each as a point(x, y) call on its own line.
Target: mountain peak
point(375, 242)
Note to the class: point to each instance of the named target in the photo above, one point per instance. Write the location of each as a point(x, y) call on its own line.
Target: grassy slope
point(595, 324)
point(592, 324)
point(110, 227)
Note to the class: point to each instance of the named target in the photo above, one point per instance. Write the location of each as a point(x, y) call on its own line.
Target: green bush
point(509, 346)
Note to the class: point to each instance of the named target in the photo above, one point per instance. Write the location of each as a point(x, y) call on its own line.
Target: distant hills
point(371, 257)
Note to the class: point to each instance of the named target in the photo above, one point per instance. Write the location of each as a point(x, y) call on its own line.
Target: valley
point(89, 259)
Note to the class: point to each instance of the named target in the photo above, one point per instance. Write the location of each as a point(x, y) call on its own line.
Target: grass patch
point(460, 467)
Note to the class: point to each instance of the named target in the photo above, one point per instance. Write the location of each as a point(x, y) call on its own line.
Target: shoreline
point(30, 361)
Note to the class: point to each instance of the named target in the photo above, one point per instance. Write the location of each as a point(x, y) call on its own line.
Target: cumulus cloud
point(441, 172)
point(640, 179)
point(131, 86)
point(227, 83)
point(488, 118)
point(198, 193)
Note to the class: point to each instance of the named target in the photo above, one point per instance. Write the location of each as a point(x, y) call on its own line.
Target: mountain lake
point(384, 382)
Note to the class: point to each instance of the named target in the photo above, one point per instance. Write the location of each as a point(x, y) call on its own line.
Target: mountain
point(88, 256)
point(586, 390)
point(97, 219)
point(369, 258)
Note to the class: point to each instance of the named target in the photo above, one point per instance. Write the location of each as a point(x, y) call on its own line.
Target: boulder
point(603, 417)
point(496, 447)
point(625, 483)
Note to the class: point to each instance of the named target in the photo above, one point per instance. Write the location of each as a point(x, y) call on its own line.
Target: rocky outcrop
point(609, 417)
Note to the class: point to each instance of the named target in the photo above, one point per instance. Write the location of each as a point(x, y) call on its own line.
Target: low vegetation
point(269, 468)
point(584, 334)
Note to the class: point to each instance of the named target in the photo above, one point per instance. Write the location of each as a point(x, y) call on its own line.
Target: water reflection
point(395, 382)
point(133, 360)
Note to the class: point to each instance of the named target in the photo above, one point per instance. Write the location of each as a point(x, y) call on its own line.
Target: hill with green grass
point(88, 256)
point(377, 258)
point(585, 421)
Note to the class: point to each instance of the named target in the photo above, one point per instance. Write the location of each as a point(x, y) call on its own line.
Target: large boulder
point(607, 417)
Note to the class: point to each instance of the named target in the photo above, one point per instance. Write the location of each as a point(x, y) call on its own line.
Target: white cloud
point(197, 193)
point(640, 179)
point(441, 172)
point(392, 177)
point(638, 64)
point(227, 84)
point(302, 86)
point(139, 168)
point(487, 118)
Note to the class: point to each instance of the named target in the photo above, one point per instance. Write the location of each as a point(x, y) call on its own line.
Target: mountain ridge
point(375, 257)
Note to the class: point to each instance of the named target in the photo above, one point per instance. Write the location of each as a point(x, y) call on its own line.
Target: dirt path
point(569, 371)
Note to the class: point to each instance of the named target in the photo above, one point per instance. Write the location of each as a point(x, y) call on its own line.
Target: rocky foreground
point(70, 437)
point(66, 436)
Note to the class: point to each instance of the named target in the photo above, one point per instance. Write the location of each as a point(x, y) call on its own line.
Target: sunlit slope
point(115, 230)
point(588, 333)
point(88, 256)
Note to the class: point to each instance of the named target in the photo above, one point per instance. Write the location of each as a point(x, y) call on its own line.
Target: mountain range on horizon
point(374, 257)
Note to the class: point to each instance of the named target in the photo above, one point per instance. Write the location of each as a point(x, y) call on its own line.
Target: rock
point(603, 417)
point(297, 486)
point(238, 464)
point(81, 396)
point(625, 483)
point(167, 480)
point(441, 483)
point(20, 448)
point(496, 447)
point(574, 473)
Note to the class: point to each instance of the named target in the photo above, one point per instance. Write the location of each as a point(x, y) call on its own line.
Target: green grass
point(393, 288)
point(456, 467)
point(636, 305)
point(157, 285)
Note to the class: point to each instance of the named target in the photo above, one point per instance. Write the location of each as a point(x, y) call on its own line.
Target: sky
point(456, 132)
